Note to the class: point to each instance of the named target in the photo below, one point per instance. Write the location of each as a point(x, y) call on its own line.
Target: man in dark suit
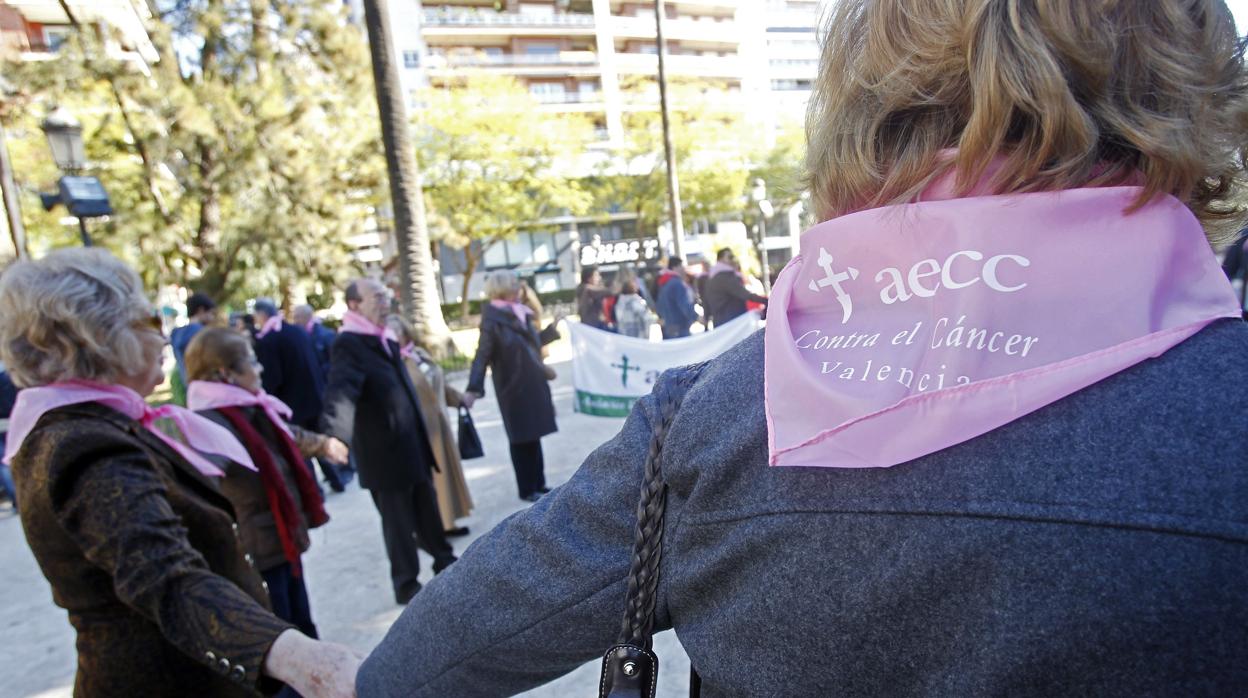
point(292, 373)
point(372, 405)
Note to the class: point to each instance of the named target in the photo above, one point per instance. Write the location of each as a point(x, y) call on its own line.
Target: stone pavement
point(347, 573)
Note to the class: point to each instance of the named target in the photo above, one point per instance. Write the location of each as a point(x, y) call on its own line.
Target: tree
point(712, 155)
point(420, 296)
point(496, 164)
point(239, 165)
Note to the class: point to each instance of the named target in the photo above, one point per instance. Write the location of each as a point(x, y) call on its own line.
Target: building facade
point(754, 57)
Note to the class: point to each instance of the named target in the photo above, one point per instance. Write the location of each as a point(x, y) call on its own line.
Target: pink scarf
point(273, 324)
point(211, 395)
point(201, 434)
point(311, 324)
point(901, 331)
point(358, 324)
point(521, 311)
point(719, 268)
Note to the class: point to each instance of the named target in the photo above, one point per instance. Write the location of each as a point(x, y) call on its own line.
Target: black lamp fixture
point(83, 195)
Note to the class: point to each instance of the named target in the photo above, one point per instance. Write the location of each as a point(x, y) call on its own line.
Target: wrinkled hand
point(468, 399)
point(336, 451)
point(313, 668)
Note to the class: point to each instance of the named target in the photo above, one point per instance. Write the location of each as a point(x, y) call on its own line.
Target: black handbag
point(630, 669)
point(469, 440)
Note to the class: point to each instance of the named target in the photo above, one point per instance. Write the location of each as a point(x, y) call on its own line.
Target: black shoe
point(438, 567)
point(403, 596)
point(543, 490)
point(531, 498)
point(456, 532)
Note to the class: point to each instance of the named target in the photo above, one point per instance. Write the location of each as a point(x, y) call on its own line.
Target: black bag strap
point(630, 668)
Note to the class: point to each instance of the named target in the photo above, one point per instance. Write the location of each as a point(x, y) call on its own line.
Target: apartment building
point(32, 30)
point(598, 58)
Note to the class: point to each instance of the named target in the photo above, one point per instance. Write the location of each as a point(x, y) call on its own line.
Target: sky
point(1240, 9)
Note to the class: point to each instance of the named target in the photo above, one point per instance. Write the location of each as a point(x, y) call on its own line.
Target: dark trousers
point(410, 520)
point(530, 467)
point(289, 597)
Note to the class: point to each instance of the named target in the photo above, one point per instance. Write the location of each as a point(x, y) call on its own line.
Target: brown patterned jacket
point(141, 550)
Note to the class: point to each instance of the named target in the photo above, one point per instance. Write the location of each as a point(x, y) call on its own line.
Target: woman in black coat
point(511, 347)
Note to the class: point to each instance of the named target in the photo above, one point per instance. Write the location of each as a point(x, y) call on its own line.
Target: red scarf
point(285, 515)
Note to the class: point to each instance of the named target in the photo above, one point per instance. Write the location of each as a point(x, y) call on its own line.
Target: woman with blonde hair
point(511, 347)
point(982, 445)
point(127, 522)
point(435, 395)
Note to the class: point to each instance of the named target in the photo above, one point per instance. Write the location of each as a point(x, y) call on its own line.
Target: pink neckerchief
point(719, 268)
point(521, 311)
point(358, 324)
point(273, 324)
point(201, 434)
point(311, 324)
point(210, 395)
point(903, 330)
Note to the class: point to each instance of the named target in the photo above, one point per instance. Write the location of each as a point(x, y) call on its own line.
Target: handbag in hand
point(469, 440)
point(630, 669)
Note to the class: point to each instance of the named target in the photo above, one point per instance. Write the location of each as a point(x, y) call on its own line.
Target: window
point(411, 59)
point(54, 38)
point(541, 49)
point(548, 92)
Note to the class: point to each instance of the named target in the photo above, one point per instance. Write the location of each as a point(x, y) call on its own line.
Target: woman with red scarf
point(278, 502)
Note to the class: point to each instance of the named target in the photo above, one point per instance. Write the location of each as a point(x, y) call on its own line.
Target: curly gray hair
point(71, 315)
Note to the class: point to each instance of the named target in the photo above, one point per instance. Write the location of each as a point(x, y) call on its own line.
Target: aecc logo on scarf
point(899, 289)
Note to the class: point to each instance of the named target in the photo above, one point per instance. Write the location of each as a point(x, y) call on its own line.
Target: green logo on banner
point(625, 367)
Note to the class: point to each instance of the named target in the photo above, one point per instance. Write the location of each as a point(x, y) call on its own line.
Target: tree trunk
point(470, 267)
point(419, 289)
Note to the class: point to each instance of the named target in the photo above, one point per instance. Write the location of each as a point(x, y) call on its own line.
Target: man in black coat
point(372, 405)
point(292, 374)
point(725, 296)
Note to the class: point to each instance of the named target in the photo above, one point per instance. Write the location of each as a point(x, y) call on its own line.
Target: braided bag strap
point(630, 668)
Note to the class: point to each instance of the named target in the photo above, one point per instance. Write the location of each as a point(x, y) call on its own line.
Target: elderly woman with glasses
point(127, 522)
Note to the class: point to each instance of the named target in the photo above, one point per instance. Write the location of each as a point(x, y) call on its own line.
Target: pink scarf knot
point(520, 310)
point(211, 395)
point(273, 324)
point(356, 323)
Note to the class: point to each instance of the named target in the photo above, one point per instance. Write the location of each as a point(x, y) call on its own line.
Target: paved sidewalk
point(348, 576)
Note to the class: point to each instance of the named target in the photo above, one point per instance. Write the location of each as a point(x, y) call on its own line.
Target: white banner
point(610, 371)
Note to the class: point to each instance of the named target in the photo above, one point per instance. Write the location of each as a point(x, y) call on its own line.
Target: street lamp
point(84, 196)
point(758, 195)
point(64, 134)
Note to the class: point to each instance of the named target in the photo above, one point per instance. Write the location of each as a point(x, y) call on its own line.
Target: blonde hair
point(501, 284)
point(72, 315)
point(1070, 92)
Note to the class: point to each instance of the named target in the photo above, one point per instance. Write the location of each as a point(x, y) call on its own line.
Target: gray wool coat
point(1098, 546)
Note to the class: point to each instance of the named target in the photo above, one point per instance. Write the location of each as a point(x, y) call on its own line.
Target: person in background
point(371, 404)
point(1072, 522)
point(511, 348)
point(435, 394)
point(322, 337)
point(675, 305)
point(278, 502)
point(8, 396)
point(200, 312)
point(292, 374)
point(590, 295)
point(632, 315)
point(128, 523)
point(725, 297)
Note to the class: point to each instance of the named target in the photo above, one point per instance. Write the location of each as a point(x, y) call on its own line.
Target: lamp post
point(83, 195)
point(758, 196)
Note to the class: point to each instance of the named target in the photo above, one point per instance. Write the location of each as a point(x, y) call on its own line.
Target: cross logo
point(625, 367)
point(834, 279)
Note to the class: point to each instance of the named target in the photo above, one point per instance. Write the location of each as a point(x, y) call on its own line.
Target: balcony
point(680, 29)
point(449, 21)
point(683, 66)
point(519, 64)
